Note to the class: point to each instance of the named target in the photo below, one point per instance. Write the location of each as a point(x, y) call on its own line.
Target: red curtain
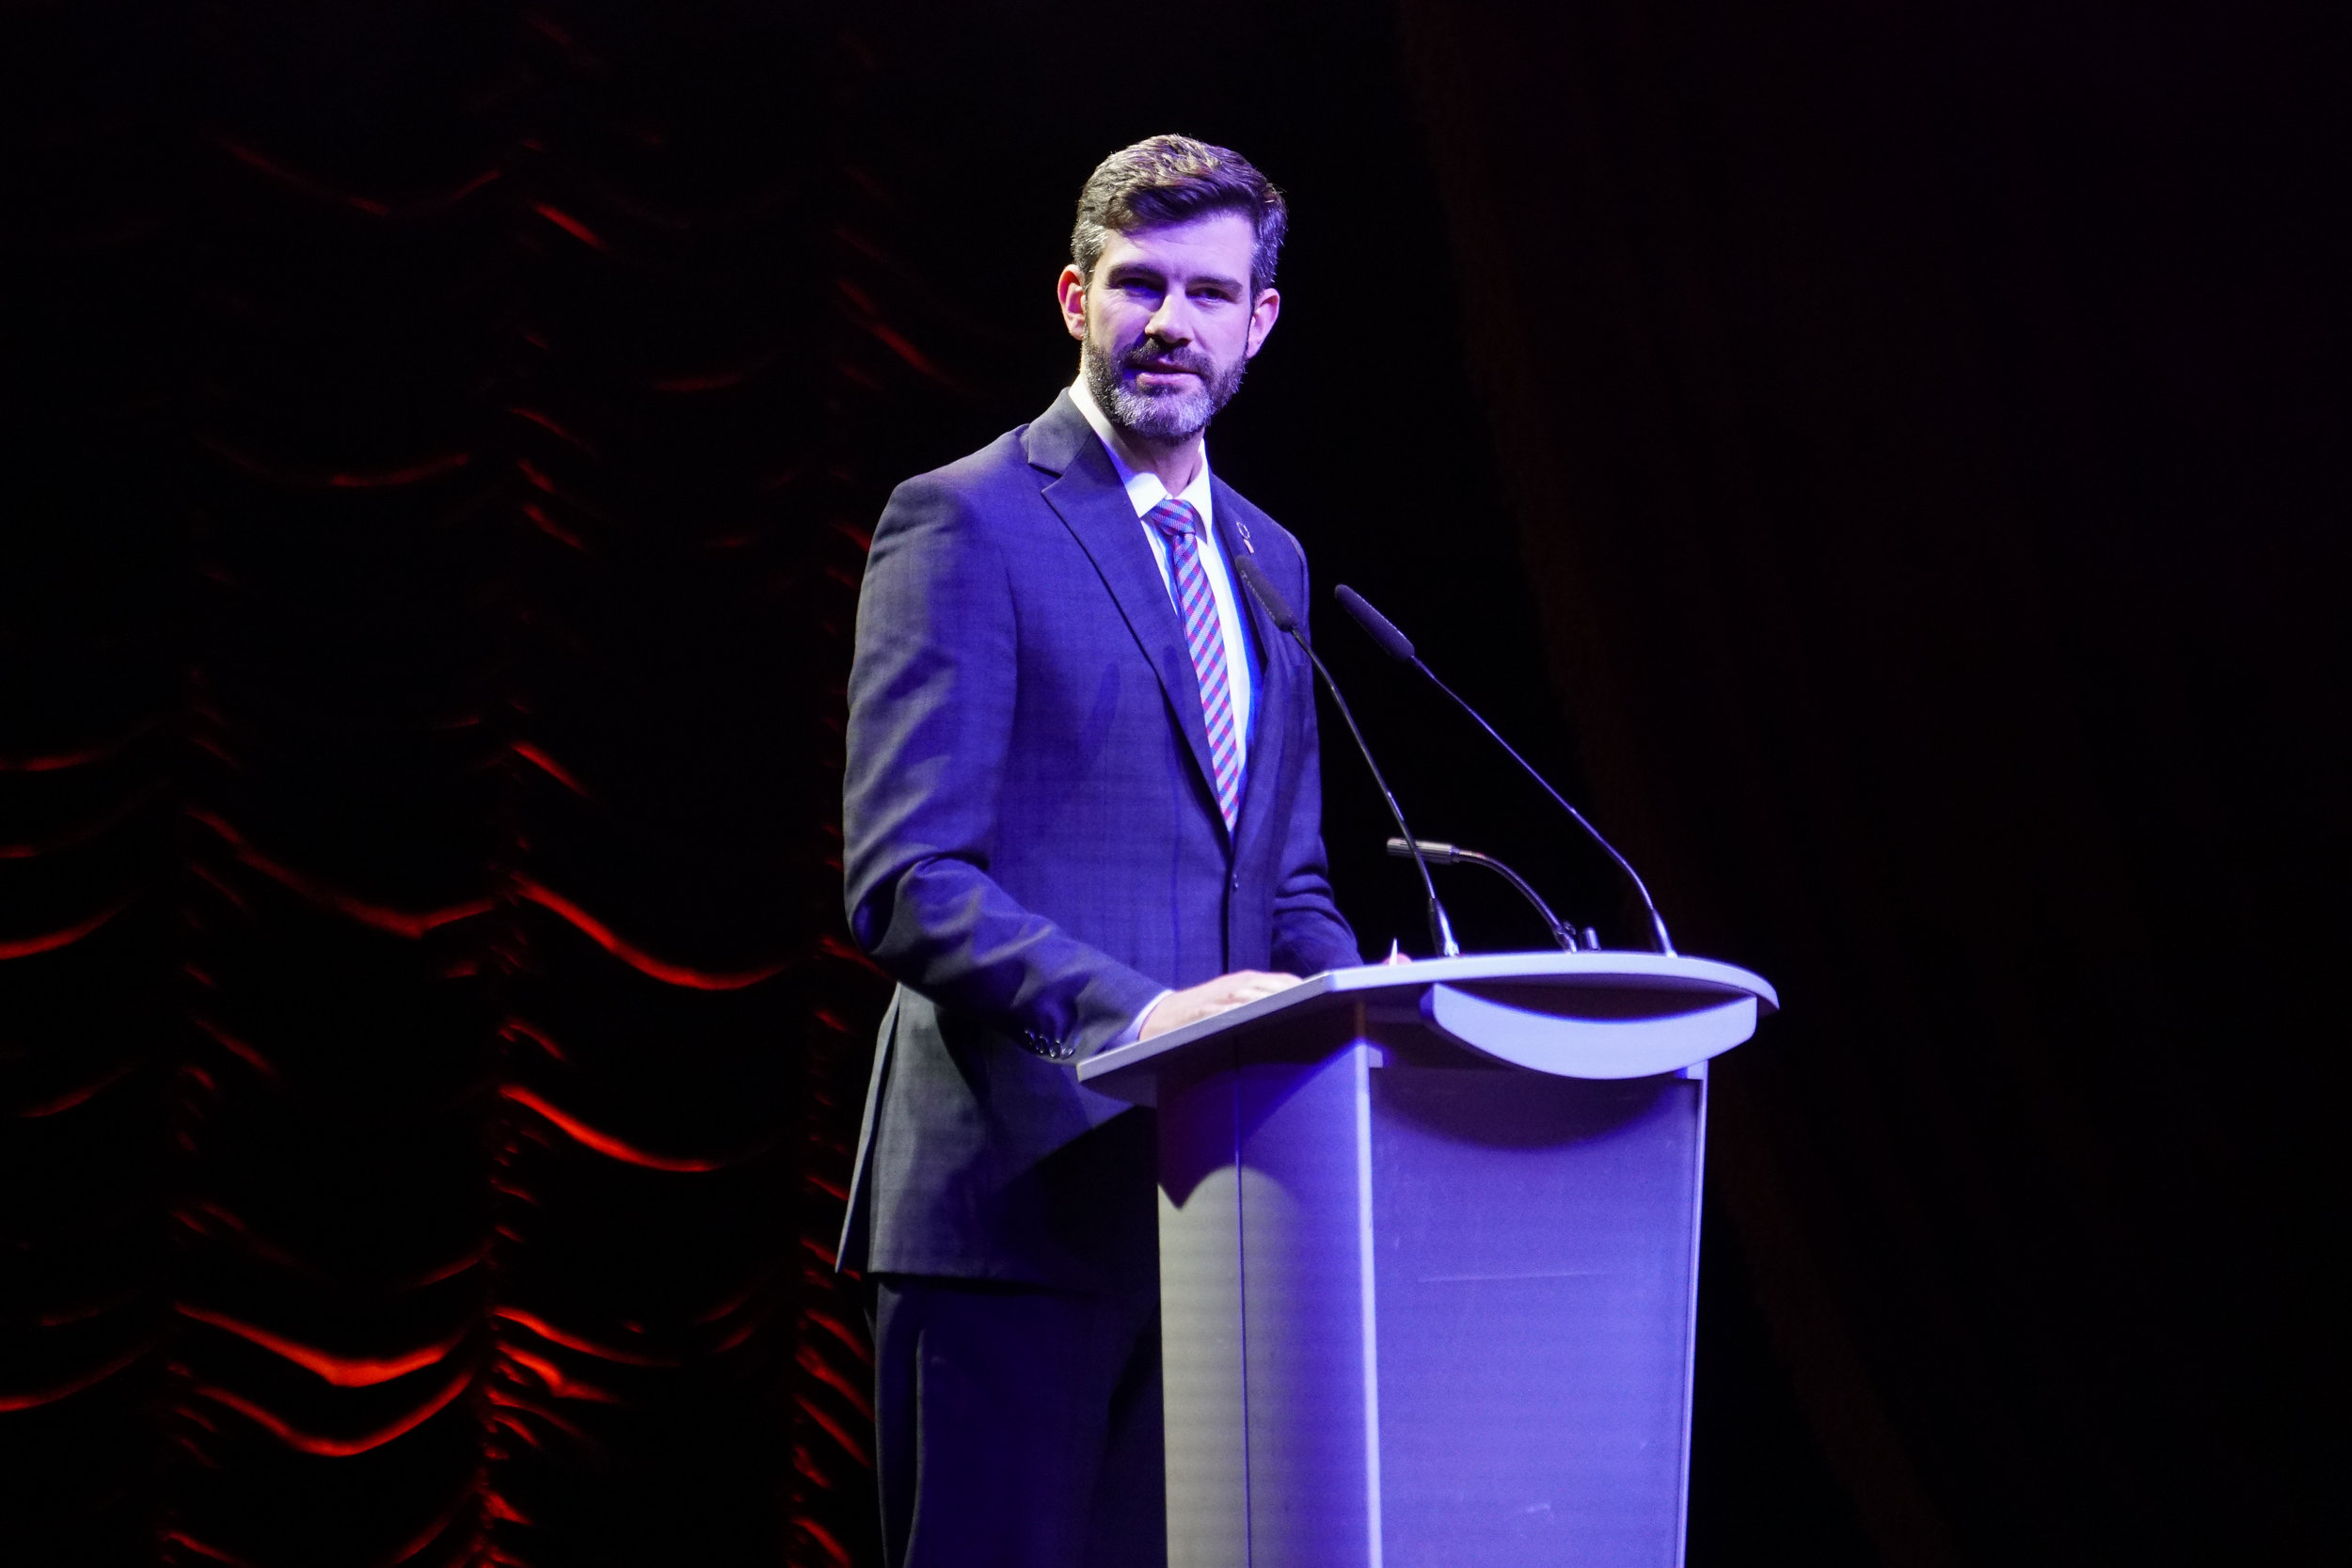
point(442, 442)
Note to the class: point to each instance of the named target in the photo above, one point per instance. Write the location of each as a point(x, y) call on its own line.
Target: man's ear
point(1262, 319)
point(1071, 291)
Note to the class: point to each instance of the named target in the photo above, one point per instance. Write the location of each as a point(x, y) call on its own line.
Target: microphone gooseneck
point(1453, 854)
point(1278, 610)
point(1400, 648)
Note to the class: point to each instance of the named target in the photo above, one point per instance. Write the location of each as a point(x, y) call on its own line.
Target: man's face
point(1167, 322)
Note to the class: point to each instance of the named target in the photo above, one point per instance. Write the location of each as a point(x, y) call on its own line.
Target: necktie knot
point(1175, 518)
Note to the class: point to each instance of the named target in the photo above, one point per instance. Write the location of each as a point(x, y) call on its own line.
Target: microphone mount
point(1453, 854)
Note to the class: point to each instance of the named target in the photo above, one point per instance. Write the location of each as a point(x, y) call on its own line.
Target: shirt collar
point(1144, 490)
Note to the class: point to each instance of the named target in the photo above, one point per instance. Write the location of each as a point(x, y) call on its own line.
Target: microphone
point(1400, 647)
point(1453, 854)
point(1278, 610)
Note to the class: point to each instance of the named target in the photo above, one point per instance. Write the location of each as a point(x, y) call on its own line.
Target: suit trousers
point(1018, 1427)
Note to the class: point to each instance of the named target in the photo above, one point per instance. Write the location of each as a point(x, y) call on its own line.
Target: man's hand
point(1180, 1008)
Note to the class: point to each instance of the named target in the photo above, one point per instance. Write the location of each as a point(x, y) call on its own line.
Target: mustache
point(1148, 356)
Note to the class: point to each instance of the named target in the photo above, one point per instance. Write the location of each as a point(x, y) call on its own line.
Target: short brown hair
point(1164, 179)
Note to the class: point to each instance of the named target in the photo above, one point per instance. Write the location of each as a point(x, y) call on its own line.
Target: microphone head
point(1395, 643)
point(1268, 595)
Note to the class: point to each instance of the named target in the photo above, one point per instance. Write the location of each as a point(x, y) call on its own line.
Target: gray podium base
point(1422, 1306)
point(1470, 1343)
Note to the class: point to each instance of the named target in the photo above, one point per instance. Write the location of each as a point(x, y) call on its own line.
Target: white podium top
point(1576, 1015)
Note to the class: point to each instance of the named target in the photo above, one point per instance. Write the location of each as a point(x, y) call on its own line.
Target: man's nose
point(1172, 323)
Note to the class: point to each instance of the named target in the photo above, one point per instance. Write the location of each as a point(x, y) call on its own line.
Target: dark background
point(1886, 462)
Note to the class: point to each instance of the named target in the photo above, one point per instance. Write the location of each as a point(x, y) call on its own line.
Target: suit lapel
point(1094, 507)
point(1237, 524)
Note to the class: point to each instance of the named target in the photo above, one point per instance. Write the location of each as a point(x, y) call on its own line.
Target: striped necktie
point(1205, 637)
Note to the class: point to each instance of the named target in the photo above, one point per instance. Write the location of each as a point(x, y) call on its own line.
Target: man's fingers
point(1212, 997)
point(1251, 985)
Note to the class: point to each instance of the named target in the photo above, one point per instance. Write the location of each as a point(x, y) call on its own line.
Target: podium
point(1429, 1260)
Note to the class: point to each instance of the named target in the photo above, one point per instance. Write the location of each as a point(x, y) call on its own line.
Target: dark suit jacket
point(1033, 850)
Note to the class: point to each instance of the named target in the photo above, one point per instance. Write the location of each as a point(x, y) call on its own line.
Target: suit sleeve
point(931, 695)
point(1310, 934)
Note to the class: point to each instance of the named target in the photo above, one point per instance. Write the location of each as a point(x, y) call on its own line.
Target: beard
point(1167, 414)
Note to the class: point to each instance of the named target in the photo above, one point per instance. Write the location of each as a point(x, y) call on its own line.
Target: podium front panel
point(1534, 1247)
point(1436, 1316)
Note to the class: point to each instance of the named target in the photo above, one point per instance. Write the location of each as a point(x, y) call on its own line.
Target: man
point(1082, 807)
